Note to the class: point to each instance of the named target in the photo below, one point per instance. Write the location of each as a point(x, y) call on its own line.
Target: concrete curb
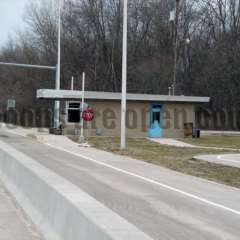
point(59, 209)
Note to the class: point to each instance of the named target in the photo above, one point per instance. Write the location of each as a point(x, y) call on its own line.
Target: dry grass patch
point(178, 159)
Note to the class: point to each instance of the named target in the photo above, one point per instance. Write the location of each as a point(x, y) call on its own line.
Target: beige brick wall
point(108, 118)
point(175, 115)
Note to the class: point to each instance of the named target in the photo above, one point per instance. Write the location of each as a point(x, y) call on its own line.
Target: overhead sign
point(11, 103)
point(88, 115)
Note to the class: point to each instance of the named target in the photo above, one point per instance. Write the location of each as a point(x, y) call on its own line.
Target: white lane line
point(151, 181)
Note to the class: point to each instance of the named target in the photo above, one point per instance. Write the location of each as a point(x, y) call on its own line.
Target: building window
point(74, 111)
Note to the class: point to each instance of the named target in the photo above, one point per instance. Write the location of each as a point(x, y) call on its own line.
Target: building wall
point(175, 115)
point(107, 120)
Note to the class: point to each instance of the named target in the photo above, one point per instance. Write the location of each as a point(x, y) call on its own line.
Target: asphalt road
point(162, 213)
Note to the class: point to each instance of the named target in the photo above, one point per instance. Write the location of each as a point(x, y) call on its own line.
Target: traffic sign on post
point(11, 104)
point(88, 114)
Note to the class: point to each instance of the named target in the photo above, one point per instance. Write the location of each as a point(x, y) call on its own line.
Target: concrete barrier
point(60, 209)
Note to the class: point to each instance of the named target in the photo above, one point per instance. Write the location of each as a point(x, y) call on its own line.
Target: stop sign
point(88, 115)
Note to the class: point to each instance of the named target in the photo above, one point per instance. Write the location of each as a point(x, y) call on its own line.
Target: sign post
point(82, 108)
point(88, 116)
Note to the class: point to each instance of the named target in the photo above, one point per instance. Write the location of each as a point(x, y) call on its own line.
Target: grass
point(216, 141)
point(178, 159)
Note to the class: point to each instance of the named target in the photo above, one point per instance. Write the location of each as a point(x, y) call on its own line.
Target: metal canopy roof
point(77, 95)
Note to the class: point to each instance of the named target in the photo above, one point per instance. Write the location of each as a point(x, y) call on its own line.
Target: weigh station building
point(154, 116)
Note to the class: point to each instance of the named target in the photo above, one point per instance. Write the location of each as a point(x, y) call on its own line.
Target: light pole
point(58, 70)
point(124, 76)
point(175, 47)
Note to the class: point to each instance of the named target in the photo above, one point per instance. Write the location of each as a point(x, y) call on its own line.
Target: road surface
point(173, 206)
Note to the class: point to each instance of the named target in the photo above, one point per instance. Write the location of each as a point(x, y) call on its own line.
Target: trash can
point(196, 133)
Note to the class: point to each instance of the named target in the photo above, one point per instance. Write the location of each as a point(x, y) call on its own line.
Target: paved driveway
point(224, 159)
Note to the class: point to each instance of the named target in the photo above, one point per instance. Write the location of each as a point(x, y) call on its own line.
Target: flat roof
point(77, 95)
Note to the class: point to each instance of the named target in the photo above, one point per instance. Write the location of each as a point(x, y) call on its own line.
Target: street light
point(124, 73)
point(175, 46)
point(58, 70)
point(124, 76)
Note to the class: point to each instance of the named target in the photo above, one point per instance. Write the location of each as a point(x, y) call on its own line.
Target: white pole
point(124, 76)
point(72, 83)
point(175, 68)
point(83, 93)
point(59, 42)
point(58, 70)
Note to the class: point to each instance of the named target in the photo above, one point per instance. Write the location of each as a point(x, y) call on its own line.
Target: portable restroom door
point(155, 130)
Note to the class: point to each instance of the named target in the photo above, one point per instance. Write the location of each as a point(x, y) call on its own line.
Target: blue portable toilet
point(156, 121)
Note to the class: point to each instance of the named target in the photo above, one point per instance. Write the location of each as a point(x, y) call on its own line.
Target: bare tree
point(208, 46)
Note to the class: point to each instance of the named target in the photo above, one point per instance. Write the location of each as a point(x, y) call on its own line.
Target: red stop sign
point(88, 115)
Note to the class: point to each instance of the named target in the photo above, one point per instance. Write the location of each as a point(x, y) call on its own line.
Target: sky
point(11, 12)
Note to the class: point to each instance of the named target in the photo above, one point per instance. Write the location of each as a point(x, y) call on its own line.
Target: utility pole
point(58, 70)
point(175, 45)
point(124, 76)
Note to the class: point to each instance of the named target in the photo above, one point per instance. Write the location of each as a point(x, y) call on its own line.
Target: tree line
point(207, 46)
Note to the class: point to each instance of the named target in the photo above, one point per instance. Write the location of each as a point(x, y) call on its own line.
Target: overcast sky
point(11, 12)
